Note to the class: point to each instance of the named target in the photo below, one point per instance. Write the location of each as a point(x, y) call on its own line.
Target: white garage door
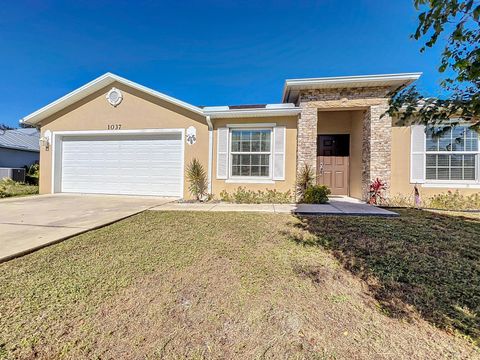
point(123, 164)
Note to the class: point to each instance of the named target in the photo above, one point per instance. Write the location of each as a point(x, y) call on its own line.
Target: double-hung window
point(451, 154)
point(250, 153)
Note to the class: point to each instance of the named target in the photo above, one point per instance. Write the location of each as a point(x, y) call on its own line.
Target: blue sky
point(205, 52)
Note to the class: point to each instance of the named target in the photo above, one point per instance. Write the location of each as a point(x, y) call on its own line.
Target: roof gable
point(92, 87)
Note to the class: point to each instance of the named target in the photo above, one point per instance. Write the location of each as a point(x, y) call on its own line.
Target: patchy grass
point(461, 214)
point(422, 264)
point(10, 188)
point(201, 285)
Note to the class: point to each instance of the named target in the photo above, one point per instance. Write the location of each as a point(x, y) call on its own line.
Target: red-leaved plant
point(377, 189)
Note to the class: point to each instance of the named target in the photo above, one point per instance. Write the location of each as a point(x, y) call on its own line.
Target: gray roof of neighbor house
point(20, 139)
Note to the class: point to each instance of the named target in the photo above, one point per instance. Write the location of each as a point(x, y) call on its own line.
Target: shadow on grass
point(419, 263)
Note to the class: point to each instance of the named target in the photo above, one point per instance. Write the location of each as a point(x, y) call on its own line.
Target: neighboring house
point(19, 147)
point(114, 136)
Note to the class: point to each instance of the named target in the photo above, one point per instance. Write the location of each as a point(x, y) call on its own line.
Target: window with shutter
point(250, 153)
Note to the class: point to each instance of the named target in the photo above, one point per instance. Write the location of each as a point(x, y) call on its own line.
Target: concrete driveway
point(29, 223)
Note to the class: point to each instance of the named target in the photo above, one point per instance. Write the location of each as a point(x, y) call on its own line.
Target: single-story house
point(114, 136)
point(19, 147)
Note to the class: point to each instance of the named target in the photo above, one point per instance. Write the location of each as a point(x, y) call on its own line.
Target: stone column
point(376, 150)
point(307, 137)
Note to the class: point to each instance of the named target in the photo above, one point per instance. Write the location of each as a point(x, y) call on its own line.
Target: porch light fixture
point(44, 141)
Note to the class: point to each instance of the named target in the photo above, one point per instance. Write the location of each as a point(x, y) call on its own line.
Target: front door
point(333, 153)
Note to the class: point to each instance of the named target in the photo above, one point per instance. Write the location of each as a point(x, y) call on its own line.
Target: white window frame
point(246, 179)
point(453, 183)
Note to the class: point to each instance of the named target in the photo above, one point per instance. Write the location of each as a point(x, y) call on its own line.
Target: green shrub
point(317, 194)
point(244, 196)
point(197, 177)
point(31, 180)
point(305, 179)
point(9, 188)
point(32, 174)
point(453, 201)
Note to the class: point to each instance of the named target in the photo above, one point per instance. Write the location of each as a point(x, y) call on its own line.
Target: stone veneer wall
point(377, 146)
point(376, 149)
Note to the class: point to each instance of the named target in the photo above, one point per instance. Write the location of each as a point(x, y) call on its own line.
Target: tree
point(4, 127)
point(26, 126)
point(460, 62)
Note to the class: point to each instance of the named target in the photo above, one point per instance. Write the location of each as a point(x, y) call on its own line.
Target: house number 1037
point(114, 126)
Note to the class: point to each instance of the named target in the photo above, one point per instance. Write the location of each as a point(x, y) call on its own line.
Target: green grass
point(10, 188)
point(237, 285)
point(421, 263)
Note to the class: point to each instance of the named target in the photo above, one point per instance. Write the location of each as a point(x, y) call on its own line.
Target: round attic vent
point(114, 97)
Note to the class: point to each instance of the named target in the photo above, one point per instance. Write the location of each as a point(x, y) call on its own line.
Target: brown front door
point(333, 153)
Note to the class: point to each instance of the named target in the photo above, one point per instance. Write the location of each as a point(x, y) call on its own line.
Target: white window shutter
point(279, 133)
point(222, 153)
point(417, 154)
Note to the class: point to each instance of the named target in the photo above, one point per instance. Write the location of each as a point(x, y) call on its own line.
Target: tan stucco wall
point(400, 181)
point(290, 123)
point(137, 111)
point(140, 111)
point(346, 122)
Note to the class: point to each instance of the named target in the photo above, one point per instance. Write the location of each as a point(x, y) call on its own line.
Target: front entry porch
point(333, 115)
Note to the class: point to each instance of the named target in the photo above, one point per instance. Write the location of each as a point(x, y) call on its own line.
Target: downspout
point(210, 153)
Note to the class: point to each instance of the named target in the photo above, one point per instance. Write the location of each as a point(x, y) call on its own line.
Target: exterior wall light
point(45, 140)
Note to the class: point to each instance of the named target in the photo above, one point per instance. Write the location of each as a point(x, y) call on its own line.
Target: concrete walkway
point(336, 206)
point(30, 223)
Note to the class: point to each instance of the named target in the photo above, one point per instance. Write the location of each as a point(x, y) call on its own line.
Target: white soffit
point(393, 81)
point(94, 86)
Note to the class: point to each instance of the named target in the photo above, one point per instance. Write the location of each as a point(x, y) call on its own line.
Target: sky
point(202, 52)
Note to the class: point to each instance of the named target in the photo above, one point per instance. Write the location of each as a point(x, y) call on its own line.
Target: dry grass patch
point(199, 285)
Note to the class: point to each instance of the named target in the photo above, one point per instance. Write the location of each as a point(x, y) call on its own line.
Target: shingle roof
point(20, 139)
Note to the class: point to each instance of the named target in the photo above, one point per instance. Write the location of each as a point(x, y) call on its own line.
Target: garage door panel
point(123, 164)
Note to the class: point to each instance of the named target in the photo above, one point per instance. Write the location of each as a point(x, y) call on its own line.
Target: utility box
point(16, 174)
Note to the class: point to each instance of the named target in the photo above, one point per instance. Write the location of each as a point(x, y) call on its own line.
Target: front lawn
point(247, 286)
point(424, 263)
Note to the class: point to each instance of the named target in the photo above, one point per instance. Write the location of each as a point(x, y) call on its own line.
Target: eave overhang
point(293, 87)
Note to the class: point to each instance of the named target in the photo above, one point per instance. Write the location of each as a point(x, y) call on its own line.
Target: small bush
point(317, 194)
point(453, 201)
point(197, 177)
point(244, 196)
point(32, 174)
point(377, 192)
point(31, 180)
point(9, 188)
point(305, 179)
